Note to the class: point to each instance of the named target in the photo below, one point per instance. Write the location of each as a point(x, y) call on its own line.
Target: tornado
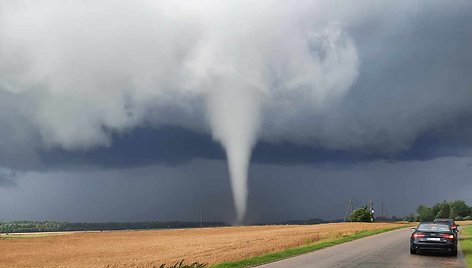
point(234, 116)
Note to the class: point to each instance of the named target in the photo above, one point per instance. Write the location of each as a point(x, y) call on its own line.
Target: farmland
point(154, 247)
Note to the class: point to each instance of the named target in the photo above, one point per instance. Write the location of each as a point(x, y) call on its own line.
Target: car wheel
point(412, 251)
point(454, 253)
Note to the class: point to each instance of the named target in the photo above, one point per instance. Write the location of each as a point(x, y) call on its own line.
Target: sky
point(247, 112)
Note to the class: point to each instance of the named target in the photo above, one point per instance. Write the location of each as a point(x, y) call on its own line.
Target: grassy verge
point(287, 253)
point(466, 244)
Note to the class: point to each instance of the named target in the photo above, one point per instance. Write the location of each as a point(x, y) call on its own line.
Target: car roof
point(430, 222)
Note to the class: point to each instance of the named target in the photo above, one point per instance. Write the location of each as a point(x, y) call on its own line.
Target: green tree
point(425, 213)
point(436, 208)
point(361, 215)
point(444, 210)
point(420, 208)
point(460, 209)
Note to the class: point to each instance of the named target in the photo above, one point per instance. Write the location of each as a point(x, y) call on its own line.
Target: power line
point(349, 208)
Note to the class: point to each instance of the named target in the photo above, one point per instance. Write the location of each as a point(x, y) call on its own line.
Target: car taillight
point(447, 236)
point(417, 235)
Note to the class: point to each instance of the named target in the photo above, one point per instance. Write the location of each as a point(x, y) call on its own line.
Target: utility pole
point(370, 207)
point(349, 209)
point(352, 206)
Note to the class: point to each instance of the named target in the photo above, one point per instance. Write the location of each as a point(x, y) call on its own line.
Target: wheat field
point(152, 248)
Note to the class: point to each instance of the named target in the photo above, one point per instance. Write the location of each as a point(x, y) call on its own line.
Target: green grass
point(287, 253)
point(466, 244)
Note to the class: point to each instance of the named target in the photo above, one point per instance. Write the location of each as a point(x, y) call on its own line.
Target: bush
point(361, 214)
point(467, 218)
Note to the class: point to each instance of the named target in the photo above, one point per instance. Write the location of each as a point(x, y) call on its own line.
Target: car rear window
point(433, 227)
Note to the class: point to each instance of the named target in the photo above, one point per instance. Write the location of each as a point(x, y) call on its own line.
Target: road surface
point(389, 249)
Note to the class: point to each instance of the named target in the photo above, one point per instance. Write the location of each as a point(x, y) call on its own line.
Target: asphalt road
point(389, 249)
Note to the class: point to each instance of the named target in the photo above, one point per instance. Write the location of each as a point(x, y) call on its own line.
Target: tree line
point(457, 210)
point(53, 226)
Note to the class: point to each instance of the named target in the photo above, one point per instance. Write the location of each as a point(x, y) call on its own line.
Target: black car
point(451, 222)
point(434, 237)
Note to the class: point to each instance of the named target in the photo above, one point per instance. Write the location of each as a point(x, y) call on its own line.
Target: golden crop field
point(149, 248)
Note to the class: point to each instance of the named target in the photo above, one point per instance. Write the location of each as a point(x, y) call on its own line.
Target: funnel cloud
point(235, 118)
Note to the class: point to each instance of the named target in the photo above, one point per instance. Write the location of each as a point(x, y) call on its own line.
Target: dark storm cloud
point(139, 147)
point(301, 192)
point(277, 193)
point(176, 146)
point(127, 194)
point(413, 80)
